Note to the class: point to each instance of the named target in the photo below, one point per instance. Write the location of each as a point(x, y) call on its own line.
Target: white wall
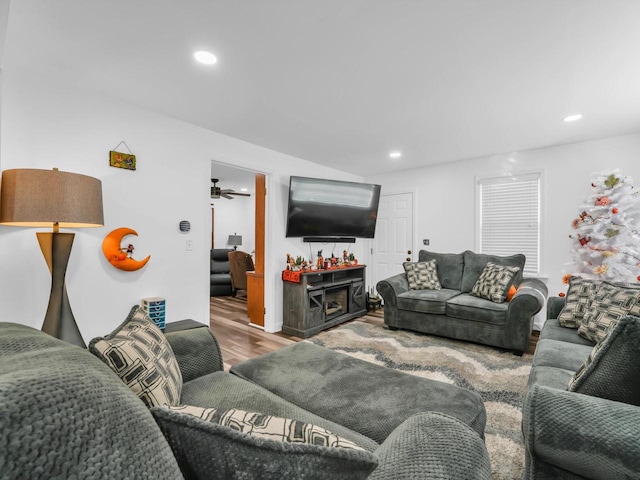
point(46, 125)
point(445, 194)
point(235, 216)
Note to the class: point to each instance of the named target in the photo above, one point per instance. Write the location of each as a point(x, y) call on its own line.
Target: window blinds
point(510, 218)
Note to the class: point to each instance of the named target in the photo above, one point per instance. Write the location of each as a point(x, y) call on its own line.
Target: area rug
point(499, 376)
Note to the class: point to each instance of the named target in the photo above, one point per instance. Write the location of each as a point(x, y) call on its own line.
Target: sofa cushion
point(579, 295)
point(425, 301)
point(207, 449)
point(610, 303)
point(220, 279)
point(549, 377)
point(611, 371)
point(224, 391)
point(468, 307)
point(448, 265)
point(474, 264)
point(554, 353)
point(141, 356)
point(220, 260)
point(422, 275)
point(494, 282)
point(552, 329)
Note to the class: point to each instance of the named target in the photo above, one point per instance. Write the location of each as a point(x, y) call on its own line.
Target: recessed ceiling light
point(207, 58)
point(243, 189)
point(395, 154)
point(572, 118)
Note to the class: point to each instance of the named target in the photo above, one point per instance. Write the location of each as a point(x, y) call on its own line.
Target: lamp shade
point(42, 198)
point(235, 240)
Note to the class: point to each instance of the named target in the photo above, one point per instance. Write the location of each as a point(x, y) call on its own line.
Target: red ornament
point(584, 240)
point(603, 201)
point(638, 277)
point(561, 294)
point(614, 210)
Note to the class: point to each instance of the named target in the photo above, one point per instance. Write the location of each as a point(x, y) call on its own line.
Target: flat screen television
point(324, 210)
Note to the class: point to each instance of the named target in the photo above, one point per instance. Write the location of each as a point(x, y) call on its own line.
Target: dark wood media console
point(322, 299)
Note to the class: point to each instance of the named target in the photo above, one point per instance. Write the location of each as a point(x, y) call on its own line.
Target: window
point(509, 218)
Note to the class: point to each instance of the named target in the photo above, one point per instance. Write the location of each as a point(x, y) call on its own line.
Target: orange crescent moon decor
point(121, 257)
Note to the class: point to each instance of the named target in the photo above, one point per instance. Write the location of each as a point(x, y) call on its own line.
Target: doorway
point(238, 216)
point(393, 243)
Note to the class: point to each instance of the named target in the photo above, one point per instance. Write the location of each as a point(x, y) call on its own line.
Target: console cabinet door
point(315, 309)
point(358, 297)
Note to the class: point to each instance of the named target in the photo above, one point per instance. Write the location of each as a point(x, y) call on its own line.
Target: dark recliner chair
point(220, 272)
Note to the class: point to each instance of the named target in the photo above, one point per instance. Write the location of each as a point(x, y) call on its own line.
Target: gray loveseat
point(571, 435)
point(453, 312)
point(65, 414)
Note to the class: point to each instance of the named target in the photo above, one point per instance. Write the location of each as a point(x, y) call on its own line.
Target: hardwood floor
point(239, 341)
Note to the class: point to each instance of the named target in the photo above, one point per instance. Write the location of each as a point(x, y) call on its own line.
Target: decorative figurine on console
point(320, 260)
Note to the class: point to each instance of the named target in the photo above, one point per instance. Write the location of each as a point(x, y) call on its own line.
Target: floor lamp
point(51, 198)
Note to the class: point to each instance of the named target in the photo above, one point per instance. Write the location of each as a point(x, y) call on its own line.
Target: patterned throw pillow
point(494, 282)
point(422, 275)
point(207, 448)
point(579, 296)
point(611, 371)
point(268, 426)
point(141, 356)
point(610, 303)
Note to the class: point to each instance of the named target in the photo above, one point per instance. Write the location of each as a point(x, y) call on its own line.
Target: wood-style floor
point(239, 341)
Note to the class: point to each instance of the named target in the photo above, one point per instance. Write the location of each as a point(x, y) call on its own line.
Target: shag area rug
point(499, 376)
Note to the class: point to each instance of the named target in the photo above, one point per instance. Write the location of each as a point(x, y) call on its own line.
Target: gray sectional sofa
point(65, 414)
point(572, 435)
point(453, 312)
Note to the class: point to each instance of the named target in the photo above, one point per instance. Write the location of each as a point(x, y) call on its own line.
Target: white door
point(393, 243)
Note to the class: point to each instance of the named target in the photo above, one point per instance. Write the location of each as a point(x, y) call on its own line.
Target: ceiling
point(236, 179)
point(344, 82)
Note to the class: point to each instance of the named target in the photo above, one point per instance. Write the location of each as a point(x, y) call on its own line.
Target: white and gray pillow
point(579, 296)
point(422, 275)
point(138, 352)
point(610, 303)
point(268, 426)
point(494, 282)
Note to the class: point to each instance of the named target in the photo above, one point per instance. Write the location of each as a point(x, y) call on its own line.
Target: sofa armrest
point(391, 287)
point(528, 300)
point(435, 446)
point(532, 291)
point(554, 306)
point(589, 436)
point(197, 352)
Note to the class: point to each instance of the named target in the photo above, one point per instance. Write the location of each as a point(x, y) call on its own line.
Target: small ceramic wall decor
point(118, 256)
point(122, 160)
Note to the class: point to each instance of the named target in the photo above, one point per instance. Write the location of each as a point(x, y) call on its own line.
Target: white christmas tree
point(606, 234)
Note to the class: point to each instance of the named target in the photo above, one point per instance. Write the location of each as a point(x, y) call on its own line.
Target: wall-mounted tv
point(325, 210)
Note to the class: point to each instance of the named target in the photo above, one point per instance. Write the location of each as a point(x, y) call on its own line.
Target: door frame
point(267, 292)
point(414, 234)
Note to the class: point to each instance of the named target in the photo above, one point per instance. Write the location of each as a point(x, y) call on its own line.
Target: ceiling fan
point(217, 192)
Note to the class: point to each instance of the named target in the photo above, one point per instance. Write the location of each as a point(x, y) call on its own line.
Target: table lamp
point(51, 198)
point(235, 240)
